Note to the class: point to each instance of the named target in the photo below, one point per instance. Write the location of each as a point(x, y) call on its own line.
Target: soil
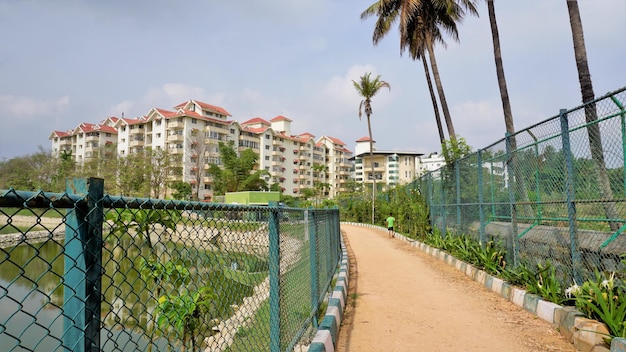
point(402, 299)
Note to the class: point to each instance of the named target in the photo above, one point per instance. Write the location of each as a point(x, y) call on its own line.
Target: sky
point(72, 61)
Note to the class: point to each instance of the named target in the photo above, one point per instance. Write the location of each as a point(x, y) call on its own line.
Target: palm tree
point(504, 94)
point(591, 114)
point(420, 24)
point(368, 88)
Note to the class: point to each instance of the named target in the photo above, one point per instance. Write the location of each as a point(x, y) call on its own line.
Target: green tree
point(420, 23)
point(37, 171)
point(237, 172)
point(158, 169)
point(181, 190)
point(131, 177)
point(367, 89)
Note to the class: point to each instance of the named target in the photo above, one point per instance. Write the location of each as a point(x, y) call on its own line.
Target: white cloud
point(165, 96)
point(25, 107)
point(341, 88)
point(480, 122)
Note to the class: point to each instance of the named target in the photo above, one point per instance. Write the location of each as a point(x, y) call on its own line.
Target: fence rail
point(555, 191)
point(85, 271)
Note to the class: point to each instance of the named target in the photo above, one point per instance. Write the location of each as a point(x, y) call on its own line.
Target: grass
point(11, 229)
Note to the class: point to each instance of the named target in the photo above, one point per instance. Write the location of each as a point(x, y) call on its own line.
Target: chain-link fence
point(84, 271)
point(555, 191)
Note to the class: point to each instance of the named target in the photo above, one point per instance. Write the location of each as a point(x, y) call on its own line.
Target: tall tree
point(419, 22)
point(198, 149)
point(368, 88)
point(236, 172)
point(591, 114)
point(497, 55)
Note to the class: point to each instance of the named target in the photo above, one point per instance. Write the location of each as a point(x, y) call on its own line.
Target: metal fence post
point(313, 260)
point(457, 184)
point(328, 237)
point(623, 130)
point(429, 198)
point(481, 200)
point(570, 195)
point(274, 268)
point(83, 267)
point(512, 246)
point(444, 211)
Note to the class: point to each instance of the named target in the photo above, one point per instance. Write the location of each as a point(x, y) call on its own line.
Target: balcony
point(175, 124)
point(175, 138)
point(136, 143)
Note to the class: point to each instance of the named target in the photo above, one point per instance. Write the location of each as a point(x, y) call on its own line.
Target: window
point(194, 121)
point(158, 135)
point(158, 122)
point(267, 147)
point(267, 157)
point(232, 131)
point(267, 136)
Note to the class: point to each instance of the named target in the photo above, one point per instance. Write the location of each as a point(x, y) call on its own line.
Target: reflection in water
point(31, 292)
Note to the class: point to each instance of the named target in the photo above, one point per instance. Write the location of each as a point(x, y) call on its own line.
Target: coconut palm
point(591, 115)
point(367, 88)
point(420, 23)
point(504, 94)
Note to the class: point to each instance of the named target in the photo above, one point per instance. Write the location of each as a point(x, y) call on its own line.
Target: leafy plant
point(186, 313)
point(603, 299)
point(543, 282)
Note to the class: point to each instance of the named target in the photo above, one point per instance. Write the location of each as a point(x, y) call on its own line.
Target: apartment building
point(432, 162)
point(193, 131)
point(391, 167)
point(84, 141)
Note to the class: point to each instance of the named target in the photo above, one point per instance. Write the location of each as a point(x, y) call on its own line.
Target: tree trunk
point(506, 107)
point(369, 129)
point(504, 94)
point(433, 98)
point(442, 96)
point(591, 115)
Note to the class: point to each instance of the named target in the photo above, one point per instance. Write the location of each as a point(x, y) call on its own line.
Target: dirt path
point(402, 299)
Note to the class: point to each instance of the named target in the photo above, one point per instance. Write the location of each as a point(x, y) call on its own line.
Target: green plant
point(543, 282)
point(603, 299)
point(490, 258)
point(186, 313)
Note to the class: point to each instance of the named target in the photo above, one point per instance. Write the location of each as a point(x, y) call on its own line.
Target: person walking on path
point(390, 221)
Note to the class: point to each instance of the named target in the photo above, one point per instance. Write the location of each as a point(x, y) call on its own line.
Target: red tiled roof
point(364, 139)
point(205, 106)
point(255, 130)
point(336, 140)
point(256, 120)
point(213, 108)
point(280, 118)
point(60, 134)
point(166, 113)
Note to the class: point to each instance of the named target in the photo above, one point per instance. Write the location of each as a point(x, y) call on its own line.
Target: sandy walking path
point(402, 299)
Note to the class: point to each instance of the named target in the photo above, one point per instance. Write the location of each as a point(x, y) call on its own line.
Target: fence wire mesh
point(555, 191)
point(124, 274)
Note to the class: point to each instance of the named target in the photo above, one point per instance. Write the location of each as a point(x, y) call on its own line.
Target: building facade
point(390, 167)
point(192, 132)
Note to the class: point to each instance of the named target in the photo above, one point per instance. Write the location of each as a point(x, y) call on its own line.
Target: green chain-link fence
point(84, 271)
point(555, 191)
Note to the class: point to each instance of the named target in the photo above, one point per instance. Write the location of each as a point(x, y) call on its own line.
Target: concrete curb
point(325, 339)
point(585, 334)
